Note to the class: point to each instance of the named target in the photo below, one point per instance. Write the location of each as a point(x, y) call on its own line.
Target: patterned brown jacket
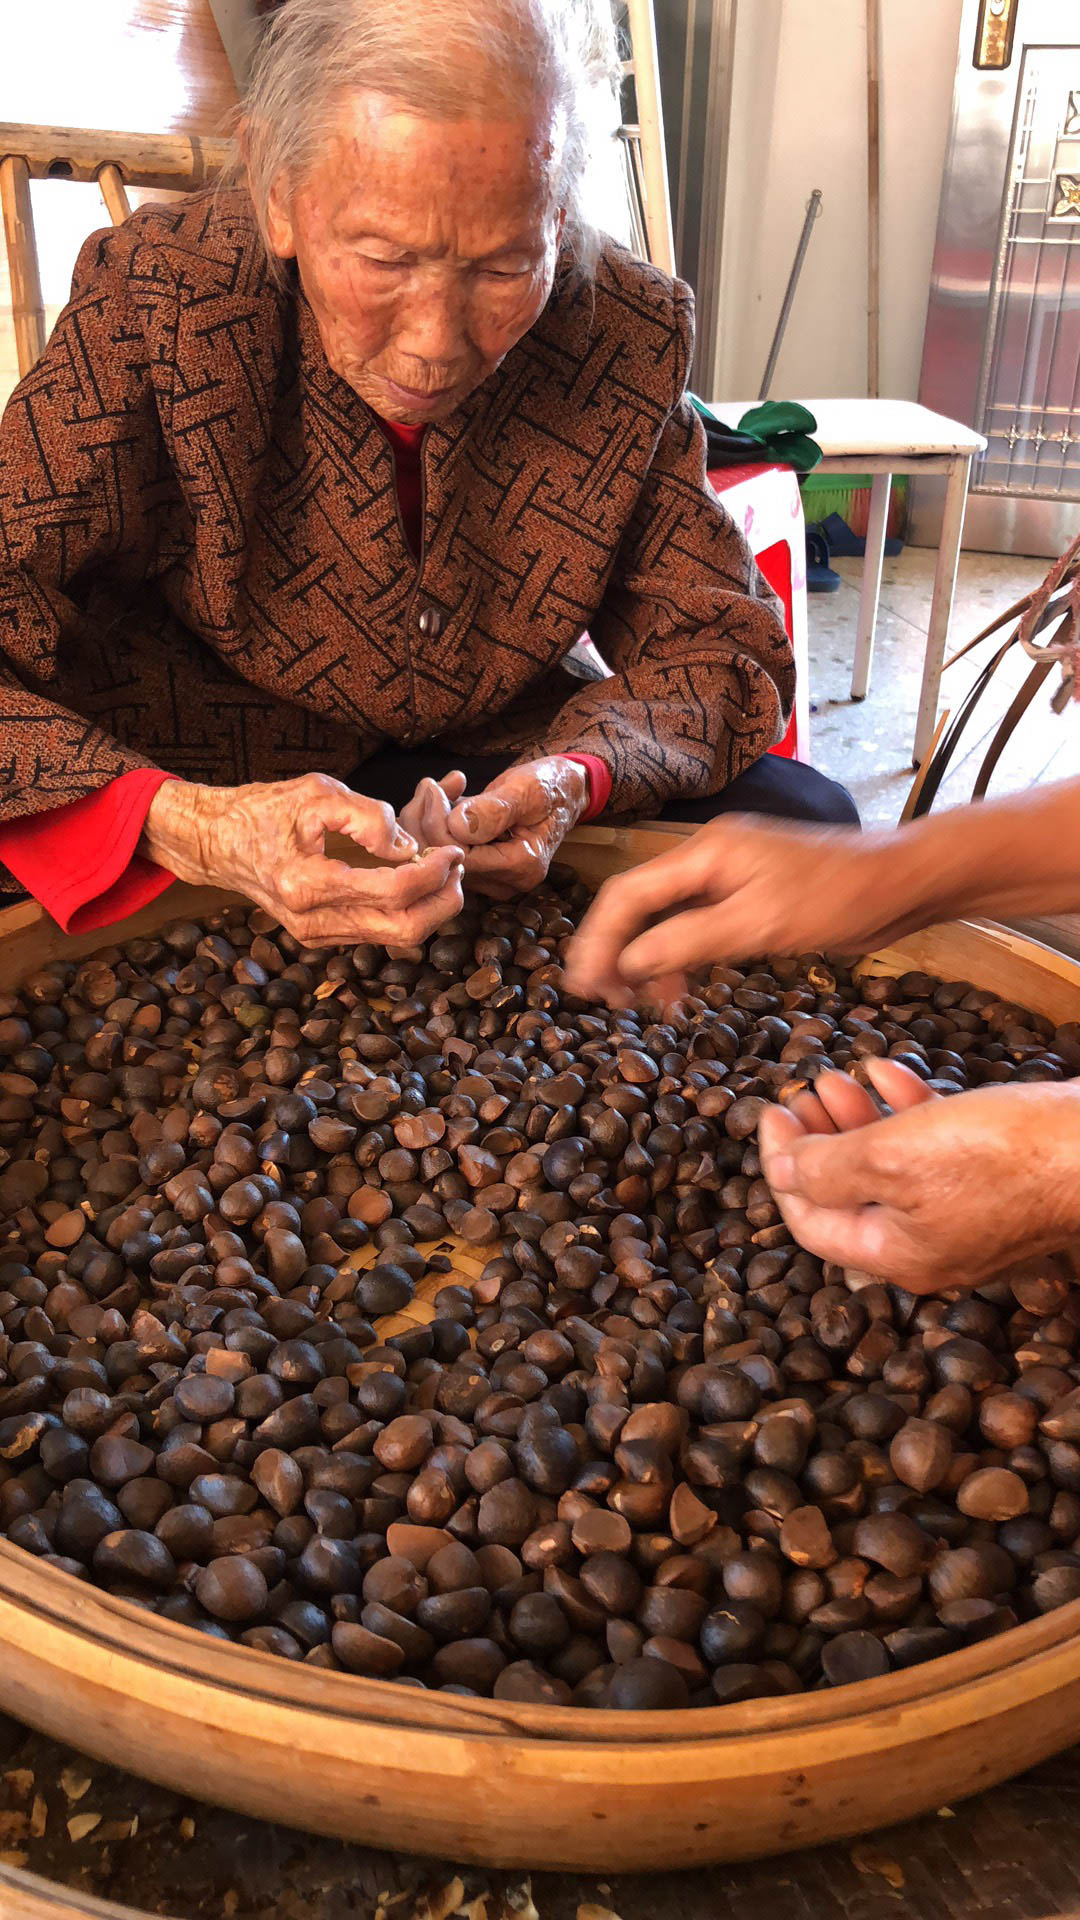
point(202, 564)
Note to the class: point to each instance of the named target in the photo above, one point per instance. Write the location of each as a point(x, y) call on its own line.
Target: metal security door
point(1002, 348)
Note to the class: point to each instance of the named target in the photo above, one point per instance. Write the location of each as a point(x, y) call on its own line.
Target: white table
point(883, 437)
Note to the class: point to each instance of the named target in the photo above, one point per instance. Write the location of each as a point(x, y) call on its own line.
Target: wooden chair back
point(176, 161)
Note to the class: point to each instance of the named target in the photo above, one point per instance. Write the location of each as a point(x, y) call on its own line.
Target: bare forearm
point(1005, 857)
point(742, 887)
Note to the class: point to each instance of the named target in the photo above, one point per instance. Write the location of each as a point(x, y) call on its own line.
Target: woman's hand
point(511, 832)
point(738, 887)
point(427, 815)
point(944, 1193)
point(267, 841)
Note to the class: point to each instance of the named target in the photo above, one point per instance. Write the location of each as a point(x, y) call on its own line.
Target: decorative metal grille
point(1029, 389)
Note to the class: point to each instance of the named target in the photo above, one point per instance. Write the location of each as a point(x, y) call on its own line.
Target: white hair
point(446, 59)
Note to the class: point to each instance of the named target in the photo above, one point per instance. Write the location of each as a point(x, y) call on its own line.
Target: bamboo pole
point(178, 160)
point(873, 160)
point(651, 123)
point(813, 208)
point(27, 307)
point(684, 129)
point(114, 193)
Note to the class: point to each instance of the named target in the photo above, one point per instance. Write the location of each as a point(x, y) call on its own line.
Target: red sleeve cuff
point(80, 861)
point(599, 777)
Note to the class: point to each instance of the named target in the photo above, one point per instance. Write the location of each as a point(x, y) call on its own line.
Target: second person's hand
point(740, 886)
point(944, 1193)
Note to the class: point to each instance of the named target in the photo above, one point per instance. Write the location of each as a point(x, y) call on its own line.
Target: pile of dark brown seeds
point(658, 1457)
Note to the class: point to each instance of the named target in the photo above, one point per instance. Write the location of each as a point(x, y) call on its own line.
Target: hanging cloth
point(777, 430)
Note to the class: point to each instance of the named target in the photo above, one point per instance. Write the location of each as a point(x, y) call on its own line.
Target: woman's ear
point(279, 227)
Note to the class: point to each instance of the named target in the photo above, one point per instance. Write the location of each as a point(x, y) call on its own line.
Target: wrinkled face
point(426, 248)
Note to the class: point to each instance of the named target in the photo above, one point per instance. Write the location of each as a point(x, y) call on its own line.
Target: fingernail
point(403, 842)
point(815, 1069)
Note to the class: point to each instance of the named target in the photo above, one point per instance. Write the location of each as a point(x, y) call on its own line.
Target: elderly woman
point(323, 475)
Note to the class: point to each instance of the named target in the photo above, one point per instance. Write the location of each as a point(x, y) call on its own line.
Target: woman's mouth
point(416, 400)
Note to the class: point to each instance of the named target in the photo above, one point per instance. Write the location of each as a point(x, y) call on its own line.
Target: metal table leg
point(952, 526)
point(871, 585)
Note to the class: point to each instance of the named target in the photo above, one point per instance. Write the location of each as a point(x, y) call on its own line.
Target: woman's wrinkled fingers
point(426, 816)
point(426, 916)
point(326, 903)
point(512, 866)
point(393, 889)
point(419, 816)
point(481, 818)
point(328, 806)
point(320, 900)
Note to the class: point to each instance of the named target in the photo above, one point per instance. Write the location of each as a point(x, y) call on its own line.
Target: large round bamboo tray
point(506, 1785)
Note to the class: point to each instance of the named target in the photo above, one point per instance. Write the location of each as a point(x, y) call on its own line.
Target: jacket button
point(430, 623)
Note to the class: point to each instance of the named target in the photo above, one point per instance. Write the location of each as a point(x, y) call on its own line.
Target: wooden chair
point(175, 161)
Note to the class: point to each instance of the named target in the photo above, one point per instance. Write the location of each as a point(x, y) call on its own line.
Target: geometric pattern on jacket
point(203, 566)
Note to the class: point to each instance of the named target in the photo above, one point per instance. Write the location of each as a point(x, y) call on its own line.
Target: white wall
point(799, 122)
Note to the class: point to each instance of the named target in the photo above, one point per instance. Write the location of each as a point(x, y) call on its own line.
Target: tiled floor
point(868, 745)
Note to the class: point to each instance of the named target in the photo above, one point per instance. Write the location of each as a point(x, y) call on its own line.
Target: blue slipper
point(842, 540)
point(820, 577)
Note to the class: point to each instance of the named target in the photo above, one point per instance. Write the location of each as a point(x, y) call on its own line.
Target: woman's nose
point(432, 327)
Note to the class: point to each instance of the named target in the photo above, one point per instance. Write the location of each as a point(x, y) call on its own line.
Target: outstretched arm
point(744, 886)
